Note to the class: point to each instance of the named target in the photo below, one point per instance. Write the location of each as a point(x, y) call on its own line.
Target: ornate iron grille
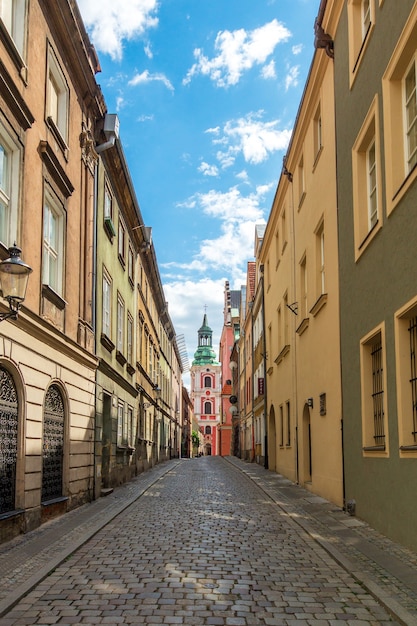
point(378, 394)
point(412, 328)
point(53, 444)
point(8, 441)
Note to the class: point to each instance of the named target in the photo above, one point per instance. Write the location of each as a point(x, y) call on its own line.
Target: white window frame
point(57, 98)
point(9, 188)
point(120, 324)
point(129, 339)
point(53, 250)
point(120, 422)
point(13, 15)
point(107, 290)
point(121, 242)
point(371, 167)
point(410, 104)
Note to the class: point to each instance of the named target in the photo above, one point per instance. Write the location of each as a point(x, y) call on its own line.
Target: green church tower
point(205, 355)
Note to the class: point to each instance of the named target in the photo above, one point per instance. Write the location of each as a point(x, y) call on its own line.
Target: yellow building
point(299, 255)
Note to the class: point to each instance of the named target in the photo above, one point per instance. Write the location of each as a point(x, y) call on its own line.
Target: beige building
point(49, 101)
point(300, 258)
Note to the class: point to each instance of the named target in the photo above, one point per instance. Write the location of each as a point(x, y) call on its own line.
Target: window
point(208, 430)
point(317, 133)
point(57, 100)
point(281, 425)
point(303, 288)
point(284, 230)
point(207, 408)
point(301, 182)
point(406, 361)
point(131, 266)
point(9, 188)
point(53, 243)
point(367, 185)
point(106, 305)
point(277, 248)
point(323, 406)
point(108, 212)
point(13, 15)
point(207, 381)
point(120, 324)
point(122, 243)
point(361, 24)
point(320, 261)
point(372, 187)
point(400, 114)
point(120, 418)
point(373, 379)
point(129, 339)
point(288, 423)
point(410, 107)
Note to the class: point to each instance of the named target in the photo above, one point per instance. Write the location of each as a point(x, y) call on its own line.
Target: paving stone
point(185, 551)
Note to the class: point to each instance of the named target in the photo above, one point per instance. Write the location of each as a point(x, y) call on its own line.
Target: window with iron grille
point(323, 409)
point(412, 329)
point(373, 392)
point(378, 393)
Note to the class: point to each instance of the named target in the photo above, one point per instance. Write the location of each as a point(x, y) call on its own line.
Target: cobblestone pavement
point(203, 545)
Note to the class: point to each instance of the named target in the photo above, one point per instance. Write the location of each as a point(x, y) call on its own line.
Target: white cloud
point(238, 52)
point(146, 118)
point(187, 300)
point(148, 51)
point(147, 77)
point(110, 22)
point(268, 71)
point(249, 136)
point(291, 80)
point(208, 170)
point(297, 49)
point(222, 258)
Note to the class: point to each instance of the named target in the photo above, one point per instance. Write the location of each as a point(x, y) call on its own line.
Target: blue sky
point(207, 93)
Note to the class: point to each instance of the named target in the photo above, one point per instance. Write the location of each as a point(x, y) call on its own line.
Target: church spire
point(205, 354)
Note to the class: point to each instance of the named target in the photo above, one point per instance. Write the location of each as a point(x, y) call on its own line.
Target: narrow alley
point(201, 542)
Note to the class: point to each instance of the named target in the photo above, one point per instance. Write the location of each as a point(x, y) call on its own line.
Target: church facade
point(206, 389)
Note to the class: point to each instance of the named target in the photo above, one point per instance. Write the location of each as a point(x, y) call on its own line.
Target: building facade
point(49, 104)
point(206, 389)
point(230, 334)
point(90, 372)
point(375, 89)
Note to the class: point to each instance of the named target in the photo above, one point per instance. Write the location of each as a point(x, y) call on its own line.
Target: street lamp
point(14, 275)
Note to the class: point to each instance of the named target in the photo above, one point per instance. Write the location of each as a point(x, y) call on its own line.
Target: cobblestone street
point(203, 545)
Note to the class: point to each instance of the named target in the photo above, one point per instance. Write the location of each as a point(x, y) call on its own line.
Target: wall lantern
point(14, 276)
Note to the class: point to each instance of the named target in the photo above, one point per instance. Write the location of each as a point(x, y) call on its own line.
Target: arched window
point(207, 408)
point(207, 381)
point(8, 441)
point(208, 430)
point(53, 444)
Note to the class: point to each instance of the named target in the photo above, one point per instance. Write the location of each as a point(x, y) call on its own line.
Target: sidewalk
point(385, 569)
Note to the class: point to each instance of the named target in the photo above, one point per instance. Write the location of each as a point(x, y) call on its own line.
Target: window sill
point(303, 326)
point(58, 136)
point(285, 350)
point(120, 358)
point(53, 297)
point(122, 261)
point(130, 369)
point(319, 304)
point(107, 342)
point(301, 200)
point(109, 228)
point(374, 448)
